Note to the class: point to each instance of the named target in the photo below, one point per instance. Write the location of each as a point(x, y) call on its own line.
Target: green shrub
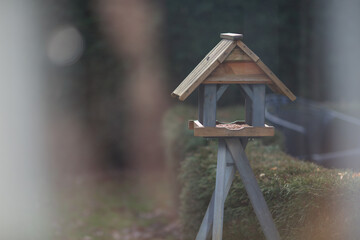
point(306, 200)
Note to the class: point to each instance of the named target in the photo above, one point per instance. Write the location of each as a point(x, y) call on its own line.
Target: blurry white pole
point(343, 73)
point(23, 192)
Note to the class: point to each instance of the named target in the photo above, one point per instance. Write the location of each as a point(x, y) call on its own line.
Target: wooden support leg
point(219, 192)
point(252, 188)
point(206, 225)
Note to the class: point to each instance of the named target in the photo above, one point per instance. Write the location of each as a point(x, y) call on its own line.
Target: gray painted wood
point(209, 110)
point(221, 88)
point(244, 141)
point(254, 104)
point(207, 104)
point(252, 188)
point(248, 110)
point(219, 192)
point(258, 105)
point(247, 90)
point(206, 225)
point(201, 103)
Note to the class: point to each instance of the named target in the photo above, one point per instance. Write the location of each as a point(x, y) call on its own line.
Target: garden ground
point(116, 205)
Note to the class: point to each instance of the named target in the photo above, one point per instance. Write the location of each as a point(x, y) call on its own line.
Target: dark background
point(283, 33)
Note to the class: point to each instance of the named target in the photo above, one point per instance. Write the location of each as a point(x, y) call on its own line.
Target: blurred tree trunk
point(134, 26)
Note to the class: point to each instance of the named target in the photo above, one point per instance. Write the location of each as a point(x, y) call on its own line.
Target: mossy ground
point(306, 200)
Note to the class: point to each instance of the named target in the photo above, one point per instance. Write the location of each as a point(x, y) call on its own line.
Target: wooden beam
point(248, 110)
point(252, 188)
point(238, 79)
point(258, 105)
point(207, 222)
point(248, 93)
point(247, 50)
point(219, 192)
point(201, 91)
point(247, 90)
point(220, 90)
point(207, 104)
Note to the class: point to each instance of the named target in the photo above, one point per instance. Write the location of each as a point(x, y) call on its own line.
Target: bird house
point(231, 62)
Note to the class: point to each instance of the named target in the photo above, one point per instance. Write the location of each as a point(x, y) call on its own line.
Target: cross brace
point(231, 156)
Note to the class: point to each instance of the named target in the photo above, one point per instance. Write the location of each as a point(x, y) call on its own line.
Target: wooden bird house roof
point(230, 62)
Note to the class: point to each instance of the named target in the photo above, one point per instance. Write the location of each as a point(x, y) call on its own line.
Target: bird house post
point(232, 62)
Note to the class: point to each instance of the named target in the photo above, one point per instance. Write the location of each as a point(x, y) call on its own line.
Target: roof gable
point(231, 61)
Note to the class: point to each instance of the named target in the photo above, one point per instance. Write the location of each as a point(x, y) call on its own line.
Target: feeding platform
point(233, 129)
